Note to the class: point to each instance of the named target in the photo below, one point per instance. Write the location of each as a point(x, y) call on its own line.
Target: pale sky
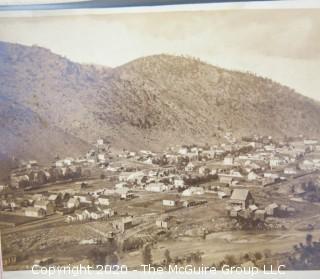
point(281, 44)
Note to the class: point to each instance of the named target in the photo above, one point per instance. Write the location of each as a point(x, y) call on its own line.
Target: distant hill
point(151, 102)
point(24, 134)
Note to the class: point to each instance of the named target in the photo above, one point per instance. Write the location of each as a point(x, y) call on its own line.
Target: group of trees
point(161, 161)
point(105, 254)
point(195, 180)
point(250, 223)
point(305, 256)
point(259, 259)
point(146, 254)
point(131, 244)
point(193, 258)
point(53, 174)
point(312, 191)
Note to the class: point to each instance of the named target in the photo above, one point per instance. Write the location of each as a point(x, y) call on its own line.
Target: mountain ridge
point(150, 102)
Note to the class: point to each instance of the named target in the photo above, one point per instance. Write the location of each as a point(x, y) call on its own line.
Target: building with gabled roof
point(242, 198)
point(34, 212)
point(45, 205)
point(272, 209)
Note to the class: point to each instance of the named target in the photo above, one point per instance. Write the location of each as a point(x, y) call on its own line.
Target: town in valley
point(249, 201)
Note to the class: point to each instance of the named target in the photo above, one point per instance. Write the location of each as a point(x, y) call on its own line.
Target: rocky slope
point(148, 103)
point(24, 134)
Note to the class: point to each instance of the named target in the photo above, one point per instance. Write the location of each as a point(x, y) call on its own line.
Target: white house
point(178, 183)
point(235, 174)
point(228, 161)
point(59, 163)
point(68, 161)
point(126, 196)
point(35, 212)
point(100, 142)
point(277, 162)
point(152, 173)
point(193, 191)
point(82, 215)
point(96, 215)
point(73, 203)
point(164, 222)
point(136, 176)
point(193, 156)
point(101, 157)
point(108, 212)
point(54, 198)
point(123, 177)
point(103, 200)
point(183, 151)
point(47, 206)
point(156, 187)
point(120, 185)
point(271, 175)
point(290, 171)
point(71, 218)
point(270, 147)
point(168, 203)
point(148, 161)
point(252, 176)
point(209, 153)
point(112, 168)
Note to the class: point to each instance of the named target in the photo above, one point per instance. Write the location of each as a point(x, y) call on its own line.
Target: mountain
point(151, 102)
point(24, 134)
point(189, 98)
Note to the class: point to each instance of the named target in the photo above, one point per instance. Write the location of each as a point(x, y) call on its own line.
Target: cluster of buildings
point(30, 174)
point(242, 205)
point(77, 206)
point(99, 154)
point(225, 170)
point(259, 161)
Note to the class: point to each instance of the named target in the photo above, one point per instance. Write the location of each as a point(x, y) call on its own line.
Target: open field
point(7, 219)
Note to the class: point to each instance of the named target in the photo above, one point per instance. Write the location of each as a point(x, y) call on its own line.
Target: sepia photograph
point(160, 139)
